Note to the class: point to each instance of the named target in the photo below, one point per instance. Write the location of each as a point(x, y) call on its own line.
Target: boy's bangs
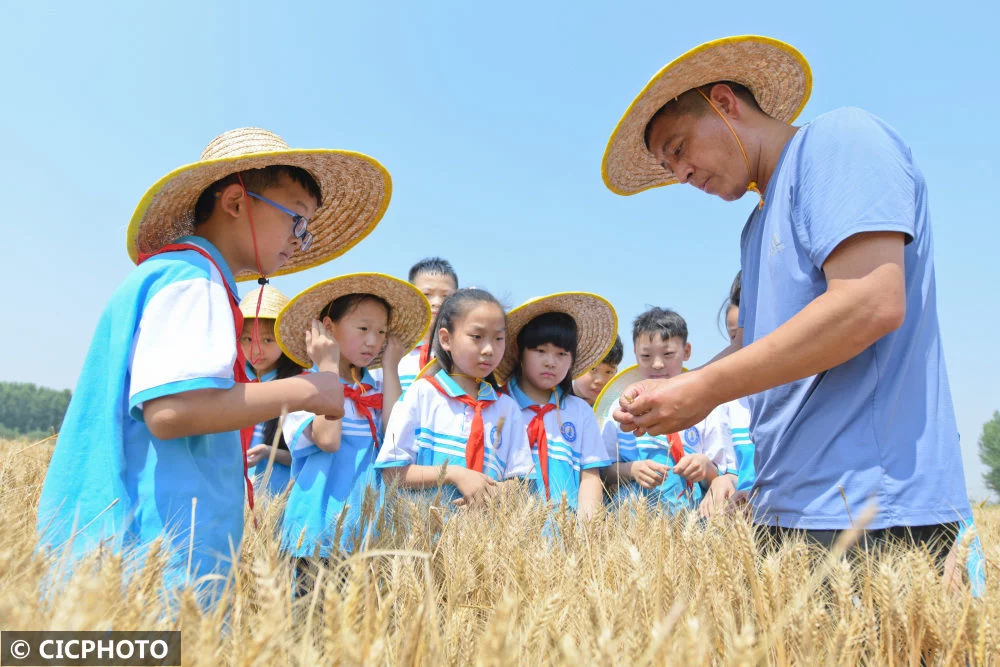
point(558, 329)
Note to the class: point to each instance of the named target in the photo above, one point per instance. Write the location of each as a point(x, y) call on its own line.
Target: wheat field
point(499, 585)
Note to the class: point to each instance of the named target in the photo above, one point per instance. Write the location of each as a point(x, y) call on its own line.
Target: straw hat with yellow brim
point(596, 325)
point(411, 312)
point(355, 190)
point(607, 401)
point(270, 305)
point(778, 76)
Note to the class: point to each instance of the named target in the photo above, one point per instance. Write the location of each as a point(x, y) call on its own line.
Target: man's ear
point(231, 200)
point(445, 337)
point(726, 100)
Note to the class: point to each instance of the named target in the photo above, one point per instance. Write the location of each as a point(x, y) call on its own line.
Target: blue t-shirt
point(881, 426)
point(168, 329)
point(323, 516)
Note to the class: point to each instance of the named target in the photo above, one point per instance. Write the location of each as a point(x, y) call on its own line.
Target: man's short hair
point(660, 321)
point(617, 353)
point(255, 180)
point(691, 102)
point(433, 266)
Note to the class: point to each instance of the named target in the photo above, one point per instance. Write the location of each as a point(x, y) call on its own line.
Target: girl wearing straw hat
point(268, 455)
point(551, 340)
point(155, 439)
point(348, 325)
point(838, 322)
point(454, 429)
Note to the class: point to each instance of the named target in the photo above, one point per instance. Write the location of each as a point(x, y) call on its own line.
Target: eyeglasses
point(300, 223)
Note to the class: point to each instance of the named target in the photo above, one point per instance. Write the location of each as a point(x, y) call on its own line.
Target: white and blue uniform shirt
point(574, 443)
point(430, 429)
point(280, 473)
point(713, 437)
point(168, 329)
point(409, 368)
point(673, 494)
point(739, 422)
point(327, 484)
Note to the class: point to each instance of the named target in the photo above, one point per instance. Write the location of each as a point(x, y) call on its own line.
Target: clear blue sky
point(492, 121)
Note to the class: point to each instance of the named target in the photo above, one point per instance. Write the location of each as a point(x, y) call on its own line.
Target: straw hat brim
point(596, 323)
point(607, 401)
point(270, 305)
point(776, 73)
point(356, 190)
point(411, 312)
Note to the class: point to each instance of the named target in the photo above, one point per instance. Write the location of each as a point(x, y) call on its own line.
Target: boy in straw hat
point(838, 321)
point(152, 445)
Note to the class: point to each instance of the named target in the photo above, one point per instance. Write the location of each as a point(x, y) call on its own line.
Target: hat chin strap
point(752, 187)
point(256, 351)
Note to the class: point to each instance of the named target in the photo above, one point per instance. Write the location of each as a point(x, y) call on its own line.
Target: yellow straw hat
point(596, 324)
point(411, 312)
point(607, 401)
point(270, 305)
point(778, 76)
point(355, 189)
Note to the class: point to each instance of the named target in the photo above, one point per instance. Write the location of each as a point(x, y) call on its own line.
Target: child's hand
point(257, 454)
point(694, 467)
point(322, 347)
point(649, 474)
point(717, 497)
point(474, 486)
point(393, 352)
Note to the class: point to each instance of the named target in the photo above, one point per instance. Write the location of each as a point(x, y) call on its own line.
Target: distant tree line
point(29, 410)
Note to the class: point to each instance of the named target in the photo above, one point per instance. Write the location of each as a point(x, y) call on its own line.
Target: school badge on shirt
point(568, 431)
point(494, 436)
point(692, 437)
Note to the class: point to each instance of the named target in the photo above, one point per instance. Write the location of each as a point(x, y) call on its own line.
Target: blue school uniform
point(167, 329)
point(975, 563)
point(280, 473)
point(574, 443)
point(328, 484)
point(673, 494)
point(429, 428)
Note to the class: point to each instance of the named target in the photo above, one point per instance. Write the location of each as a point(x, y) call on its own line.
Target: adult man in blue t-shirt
point(839, 348)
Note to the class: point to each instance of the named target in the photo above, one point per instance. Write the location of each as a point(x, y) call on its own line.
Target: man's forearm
point(835, 327)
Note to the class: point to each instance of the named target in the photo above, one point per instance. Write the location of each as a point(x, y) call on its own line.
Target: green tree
point(26, 408)
point(989, 452)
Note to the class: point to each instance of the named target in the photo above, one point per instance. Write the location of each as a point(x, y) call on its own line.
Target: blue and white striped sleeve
point(594, 452)
point(399, 445)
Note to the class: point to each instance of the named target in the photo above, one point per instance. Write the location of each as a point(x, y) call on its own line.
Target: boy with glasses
point(154, 441)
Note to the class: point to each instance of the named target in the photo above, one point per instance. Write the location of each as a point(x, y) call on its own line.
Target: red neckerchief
point(539, 440)
point(364, 404)
point(475, 447)
point(425, 353)
point(677, 451)
point(239, 368)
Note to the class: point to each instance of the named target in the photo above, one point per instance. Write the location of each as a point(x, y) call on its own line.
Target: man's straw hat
point(778, 76)
point(411, 312)
point(596, 324)
point(355, 189)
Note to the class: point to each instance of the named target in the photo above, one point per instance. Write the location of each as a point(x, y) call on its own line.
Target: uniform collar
point(523, 400)
point(486, 391)
point(214, 253)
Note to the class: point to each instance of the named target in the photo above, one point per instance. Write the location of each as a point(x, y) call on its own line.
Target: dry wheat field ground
point(498, 585)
